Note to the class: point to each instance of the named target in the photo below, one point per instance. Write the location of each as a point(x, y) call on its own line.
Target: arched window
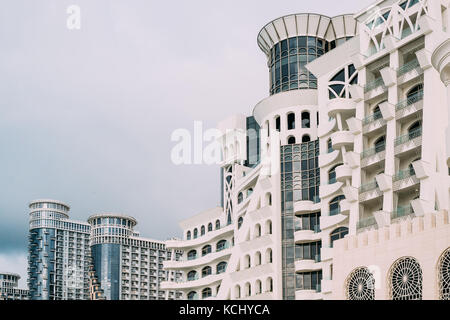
point(405, 278)
point(221, 267)
point(269, 284)
point(269, 227)
point(380, 144)
point(210, 227)
point(202, 230)
point(192, 255)
point(306, 138)
point(444, 275)
point(249, 192)
point(291, 121)
point(291, 140)
point(412, 172)
point(192, 295)
point(415, 94)
point(248, 289)
point(258, 258)
point(240, 221)
point(360, 285)
point(237, 291)
point(306, 123)
point(334, 206)
point(192, 275)
point(377, 113)
point(206, 293)
point(330, 146)
point(268, 199)
point(269, 255)
point(217, 224)
point(257, 231)
point(206, 271)
point(278, 123)
point(247, 262)
point(258, 287)
point(206, 250)
point(188, 235)
point(332, 174)
point(195, 233)
point(337, 234)
point(415, 130)
point(240, 197)
point(221, 245)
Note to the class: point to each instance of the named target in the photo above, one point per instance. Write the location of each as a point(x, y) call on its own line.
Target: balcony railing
point(373, 85)
point(402, 212)
point(372, 151)
point(408, 137)
point(414, 98)
point(407, 67)
point(367, 222)
point(374, 117)
point(403, 174)
point(368, 186)
point(335, 211)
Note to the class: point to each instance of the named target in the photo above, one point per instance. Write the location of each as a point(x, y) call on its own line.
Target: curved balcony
point(343, 173)
point(326, 128)
point(304, 236)
point(197, 283)
point(342, 139)
point(340, 105)
point(207, 259)
point(308, 265)
point(308, 295)
point(327, 222)
point(328, 190)
point(327, 159)
point(207, 238)
point(303, 207)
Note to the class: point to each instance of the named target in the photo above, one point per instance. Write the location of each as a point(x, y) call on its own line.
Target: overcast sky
point(86, 116)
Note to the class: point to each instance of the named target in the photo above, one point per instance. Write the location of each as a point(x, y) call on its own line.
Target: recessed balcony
point(373, 122)
point(409, 71)
point(410, 106)
point(408, 142)
point(342, 139)
point(404, 179)
point(374, 88)
point(366, 223)
point(402, 213)
point(373, 155)
point(369, 191)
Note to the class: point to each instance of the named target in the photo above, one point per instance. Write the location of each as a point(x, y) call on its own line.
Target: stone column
point(441, 62)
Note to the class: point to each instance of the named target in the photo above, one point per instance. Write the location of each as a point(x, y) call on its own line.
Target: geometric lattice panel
point(360, 285)
point(444, 276)
point(406, 280)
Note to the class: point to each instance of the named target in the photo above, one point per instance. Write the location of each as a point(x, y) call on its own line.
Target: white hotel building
point(344, 193)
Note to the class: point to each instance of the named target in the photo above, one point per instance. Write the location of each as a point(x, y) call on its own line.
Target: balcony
point(366, 223)
point(343, 173)
point(402, 212)
point(302, 207)
point(308, 294)
point(303, 236)
point(373, 155)
point(373, 122)
point(374, 88)
point(409, 71)
point(308, 264)
point(369, 191)
point(328, 190)
point(404, 179)
point(408, 142)
point(342, 139)
point(328, 158)
point(340, 105)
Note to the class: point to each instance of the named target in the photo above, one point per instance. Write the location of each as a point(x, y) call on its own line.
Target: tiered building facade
point(349, 196)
